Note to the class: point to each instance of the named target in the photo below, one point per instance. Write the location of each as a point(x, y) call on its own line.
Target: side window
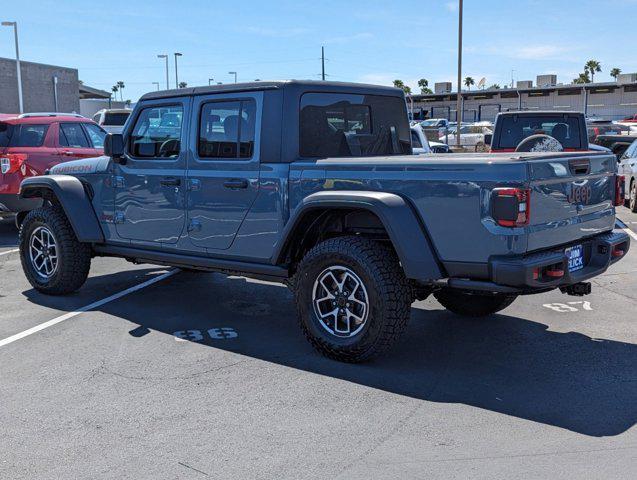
point(96, 134)
point(96, 118)
point(28, 135)
point(72, 135)
point(226, 129)
point(157, 132)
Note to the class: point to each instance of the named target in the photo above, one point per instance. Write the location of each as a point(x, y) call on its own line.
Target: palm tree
point(114, 89)
point(423, 83)
point(468, 82)
point(583, 78)
point(183, 84)
point(592, 67)
point(121, 86)
point(615, 72)
point(401, 84)
point(495, 86)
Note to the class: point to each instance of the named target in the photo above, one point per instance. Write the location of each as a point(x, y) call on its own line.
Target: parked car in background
point(526, 130)
point(421, 144)
point(616, 143)
point(471, 136)
point(32, 143)
point(435, 127)
point(630, 119)
point(112, 119)
point(628, 168)
point(595, 127)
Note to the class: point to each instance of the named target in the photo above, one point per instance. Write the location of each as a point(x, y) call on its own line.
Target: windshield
point(116, 119)
point(564, 128)
point(429, 123)
point(344, 125)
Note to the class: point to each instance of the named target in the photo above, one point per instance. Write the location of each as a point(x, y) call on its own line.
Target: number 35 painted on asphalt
point(217, 333)
point(569, 307)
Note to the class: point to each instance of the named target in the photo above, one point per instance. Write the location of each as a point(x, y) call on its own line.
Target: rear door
point(223, 167)
point(571, 197)
point(150, 183)
point(73, 142)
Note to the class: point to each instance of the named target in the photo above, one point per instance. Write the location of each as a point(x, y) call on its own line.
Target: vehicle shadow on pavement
point(8, 233)
point(503, 364)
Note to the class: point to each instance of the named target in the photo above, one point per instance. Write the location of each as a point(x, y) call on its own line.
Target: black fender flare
point(405, 229)
point(74, 200)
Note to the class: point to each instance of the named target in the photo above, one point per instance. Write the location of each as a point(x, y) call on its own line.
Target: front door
point(150, 182)
point(223, 169)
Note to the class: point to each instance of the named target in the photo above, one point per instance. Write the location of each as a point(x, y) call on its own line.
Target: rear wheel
point(352, 297)
point(53, 260)
point(472, 305)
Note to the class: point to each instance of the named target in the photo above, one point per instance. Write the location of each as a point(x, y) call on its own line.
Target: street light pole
point(177, 54)
point(235, 76)
point(459, 96)
point(157, 84)
point(165, 56)
point(17, 61)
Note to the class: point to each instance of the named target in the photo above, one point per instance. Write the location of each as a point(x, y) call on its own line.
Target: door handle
point(170, 182)
point(67, 153)
point(236, 183)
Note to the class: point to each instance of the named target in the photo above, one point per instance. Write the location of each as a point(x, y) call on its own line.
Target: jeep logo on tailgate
point(579, 194)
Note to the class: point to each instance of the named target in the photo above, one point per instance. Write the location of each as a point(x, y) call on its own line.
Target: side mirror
point(488, 138)
point(114, 146)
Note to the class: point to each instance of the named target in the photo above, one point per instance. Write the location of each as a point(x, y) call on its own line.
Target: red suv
point(33, 142)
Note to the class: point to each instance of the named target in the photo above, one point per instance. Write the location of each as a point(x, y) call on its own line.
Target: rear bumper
point(11, 203)
point(520, 274)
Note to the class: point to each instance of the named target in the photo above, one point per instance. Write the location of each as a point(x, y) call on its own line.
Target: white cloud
point(539, 52)
point(452, 6)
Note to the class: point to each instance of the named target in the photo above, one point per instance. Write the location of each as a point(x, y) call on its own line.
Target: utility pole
point(165, 56)
point(157, 85)
point(177, 54)
point(210, 80)
point(323, 63)
point(459, 99)
point(235, 76)
point(17, 62)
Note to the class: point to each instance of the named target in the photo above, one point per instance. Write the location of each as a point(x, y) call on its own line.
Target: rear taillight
point(510, 207)
point(12, 162)
point(620, 183)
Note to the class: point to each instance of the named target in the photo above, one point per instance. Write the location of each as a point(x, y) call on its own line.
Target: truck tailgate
point(571, 198)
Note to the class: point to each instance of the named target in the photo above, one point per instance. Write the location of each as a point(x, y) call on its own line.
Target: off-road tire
point(388, 290)
point(74, 257)
point(472, 305)
point(632, 200)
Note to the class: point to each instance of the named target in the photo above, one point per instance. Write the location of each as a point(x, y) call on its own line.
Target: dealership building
point(45, 88)
point(609, 100)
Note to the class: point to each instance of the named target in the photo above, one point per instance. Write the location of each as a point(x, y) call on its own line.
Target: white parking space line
point(9, 251)
point(625, 228)
point(86, 308)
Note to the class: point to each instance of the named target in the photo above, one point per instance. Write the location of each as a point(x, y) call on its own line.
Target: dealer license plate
point(575, 258)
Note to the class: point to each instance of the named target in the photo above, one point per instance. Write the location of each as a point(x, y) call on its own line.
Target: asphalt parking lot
point(199, 375)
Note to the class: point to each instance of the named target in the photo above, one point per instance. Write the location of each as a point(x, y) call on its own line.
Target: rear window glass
point(116, 119)
point(564, 128)
point(28, 135)
point(342, 125)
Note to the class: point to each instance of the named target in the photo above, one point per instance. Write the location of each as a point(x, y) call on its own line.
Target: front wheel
point(352, 297)
point(472, 305)
point(53, 260)
point(632, 201)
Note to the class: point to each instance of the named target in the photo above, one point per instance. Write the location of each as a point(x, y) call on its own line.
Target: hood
point(82, 166)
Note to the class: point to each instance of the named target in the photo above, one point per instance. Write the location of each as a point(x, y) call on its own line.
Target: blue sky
point(369, 41)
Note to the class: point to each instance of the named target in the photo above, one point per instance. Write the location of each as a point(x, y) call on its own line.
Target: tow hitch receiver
point(577, 289)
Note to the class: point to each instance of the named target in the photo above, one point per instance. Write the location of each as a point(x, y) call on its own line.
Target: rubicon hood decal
point(81, 166)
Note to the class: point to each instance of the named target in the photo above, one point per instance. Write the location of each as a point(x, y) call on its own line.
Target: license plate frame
point(575, 257)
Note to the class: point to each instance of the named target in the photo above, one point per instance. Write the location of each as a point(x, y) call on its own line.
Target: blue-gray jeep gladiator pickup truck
point(313, 184)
